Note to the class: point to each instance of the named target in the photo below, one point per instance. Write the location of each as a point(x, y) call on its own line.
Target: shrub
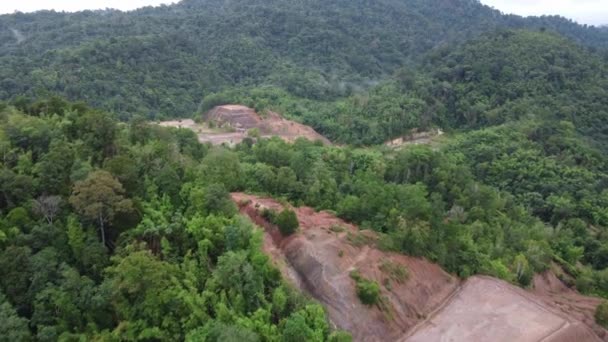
point(287, 221)
point(367, 290)
point(601, 314)
point(268, 214)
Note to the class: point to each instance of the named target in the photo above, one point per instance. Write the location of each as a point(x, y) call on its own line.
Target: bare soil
point(415, 138)
point(320, 258)
point(430, 304)
point(556, 294)
point(240, 120)
point(488, 309)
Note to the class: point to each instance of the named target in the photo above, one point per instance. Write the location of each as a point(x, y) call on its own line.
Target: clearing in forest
point(417, 300)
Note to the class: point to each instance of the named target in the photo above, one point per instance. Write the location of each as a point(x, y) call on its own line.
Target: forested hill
point(497, 78)
point(169, 58)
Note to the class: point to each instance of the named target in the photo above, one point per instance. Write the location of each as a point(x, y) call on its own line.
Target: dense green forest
point(500, 77)
point(162, 62)
point(126, 232)
point(116, 229)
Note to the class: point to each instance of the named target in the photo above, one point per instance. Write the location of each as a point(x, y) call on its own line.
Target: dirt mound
point(274, 124)
point(230, 125)
point(241, 119)
point(238, 117)
point(322, 256)
point(425, 304)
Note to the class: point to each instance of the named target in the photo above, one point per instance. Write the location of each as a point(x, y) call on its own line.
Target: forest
point(161, 62)
point(113, 228)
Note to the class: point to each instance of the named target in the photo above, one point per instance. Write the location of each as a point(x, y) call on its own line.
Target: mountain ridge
point(171, 57)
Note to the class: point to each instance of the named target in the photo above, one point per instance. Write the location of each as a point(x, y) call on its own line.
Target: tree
point(98, 131)
point(16, 275)
point(221, 166)
point(287, 221)
point(296, 329)
point(54, 168)
point(340, 336)
point(99, 198)
point(144, 296)
point(47, 207)
point(12, 327)
point(221, 332)
point(367, 290)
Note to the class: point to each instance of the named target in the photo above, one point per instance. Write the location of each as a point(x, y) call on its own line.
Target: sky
point(593, 12)
point(10, 6)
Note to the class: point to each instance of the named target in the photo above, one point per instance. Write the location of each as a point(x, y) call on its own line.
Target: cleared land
point(427, 305)
point(232, 123)
point(487, 309)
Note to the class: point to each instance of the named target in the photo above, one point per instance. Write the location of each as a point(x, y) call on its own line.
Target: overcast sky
point(593, 12)
point(10, 6)
point(584, 11)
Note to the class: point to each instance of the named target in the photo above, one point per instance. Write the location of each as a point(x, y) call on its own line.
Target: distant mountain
point(164, 60)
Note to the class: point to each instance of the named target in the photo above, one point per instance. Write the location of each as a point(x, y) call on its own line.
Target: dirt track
point(430, 305)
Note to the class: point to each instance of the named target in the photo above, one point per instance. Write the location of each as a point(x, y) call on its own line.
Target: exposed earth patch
point(427, 304)
point(231, 124)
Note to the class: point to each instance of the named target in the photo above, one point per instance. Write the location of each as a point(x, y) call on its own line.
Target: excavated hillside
point(231, 124)
point(418, 300)
point(241, 119)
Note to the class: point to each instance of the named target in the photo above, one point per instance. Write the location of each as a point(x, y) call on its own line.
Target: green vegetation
point(169, 59)
point(367, 290)
point(396, 272)
point(601, 314)
point(124, 230)
point(113, 231)
point(337, 229)
point(287, 221)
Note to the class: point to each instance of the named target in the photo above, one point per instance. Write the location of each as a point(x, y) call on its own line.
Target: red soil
point(320, 258)
point(430, 305)
point(582, 308)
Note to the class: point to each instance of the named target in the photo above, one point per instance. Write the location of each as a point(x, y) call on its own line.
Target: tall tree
point(98, 198)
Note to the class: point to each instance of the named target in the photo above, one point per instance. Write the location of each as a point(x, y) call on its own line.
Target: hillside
point(169, 58)
point(520, 74)
point(464, 194)
point(418, 300)
point(497, 78)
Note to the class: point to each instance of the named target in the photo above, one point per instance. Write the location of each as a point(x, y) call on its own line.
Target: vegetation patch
point(395, 271)
point(359, 239)
point(601, 314)
point(287, 221)
point(367, 290)
point(336, 228)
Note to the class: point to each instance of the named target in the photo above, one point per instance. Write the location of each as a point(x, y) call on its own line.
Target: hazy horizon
point(591, 12)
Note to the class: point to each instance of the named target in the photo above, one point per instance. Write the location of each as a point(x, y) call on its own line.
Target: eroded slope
point(429, 304)
point(321, 258)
